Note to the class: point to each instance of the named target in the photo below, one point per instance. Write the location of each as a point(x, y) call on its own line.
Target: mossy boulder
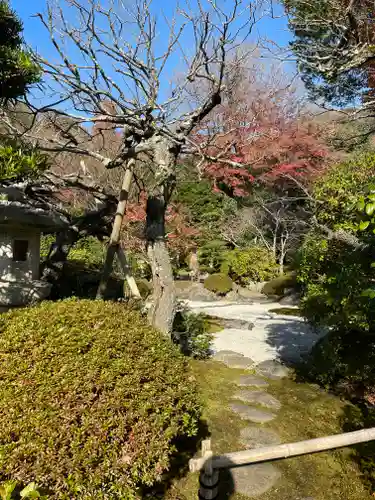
point(221, 284)
point(279, 285)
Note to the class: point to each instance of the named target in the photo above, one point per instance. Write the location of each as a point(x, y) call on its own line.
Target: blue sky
point(37, 37)
point(276, 29)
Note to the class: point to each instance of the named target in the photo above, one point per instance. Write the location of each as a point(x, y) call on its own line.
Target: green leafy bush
point(141, 269)
point(345, 359)
point(10, 490)
point(333, 277)
point(90, 251)
point(337, 192)
point(78, 280)
point(92, 399)
point(278, 285)
point(46, 241)
point(211, 255)
point(19, 163)
point(190, 332)
point(218, 283)
point(18, 69)
point(337, 276)
point(253, 264)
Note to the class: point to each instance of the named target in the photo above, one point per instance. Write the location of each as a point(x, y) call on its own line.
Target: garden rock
point(237, 324)
point(196, 291)
point(259, 398)
point(238, 361)
point(257, 437)
point(272, 369)
point(253, 414)
point(252, 287)
point(232, 296)
point(241, 296)
point(251, 380)
point(292, 299)
point(221, 355)
point(254, 480)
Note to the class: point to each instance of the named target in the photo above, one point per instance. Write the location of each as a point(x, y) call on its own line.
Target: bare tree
point(109, 55)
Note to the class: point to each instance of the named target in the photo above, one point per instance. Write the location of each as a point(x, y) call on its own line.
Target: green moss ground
point(306, 413)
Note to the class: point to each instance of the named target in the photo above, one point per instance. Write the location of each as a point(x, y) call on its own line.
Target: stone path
point(256, 406)
point(264, 348)
point(273, 336)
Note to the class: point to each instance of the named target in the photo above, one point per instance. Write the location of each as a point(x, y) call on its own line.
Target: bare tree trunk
point(274, 245)
point(163, 308)
point(283, 240)
point(114, 241)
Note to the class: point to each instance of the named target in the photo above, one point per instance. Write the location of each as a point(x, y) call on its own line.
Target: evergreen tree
point(334, 45)
point(17, 69)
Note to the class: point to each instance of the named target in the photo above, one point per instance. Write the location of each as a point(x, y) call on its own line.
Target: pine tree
point(334, 45)
point(17, 69)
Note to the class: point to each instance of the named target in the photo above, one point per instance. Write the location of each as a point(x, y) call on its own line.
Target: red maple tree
point(180, 234)
point(259, 134)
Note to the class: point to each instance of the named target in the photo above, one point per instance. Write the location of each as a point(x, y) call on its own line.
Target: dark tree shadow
point(82, 281)
point(186, 448)
point(292, 338)
point(356, 417)
point(226, 484)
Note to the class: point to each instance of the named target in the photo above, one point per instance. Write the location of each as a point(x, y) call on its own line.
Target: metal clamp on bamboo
point(209, 477)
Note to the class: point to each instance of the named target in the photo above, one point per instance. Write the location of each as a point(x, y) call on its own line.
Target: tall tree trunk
point(283, 242)
point(274, 244)
point(163, 308)
point(114, 241)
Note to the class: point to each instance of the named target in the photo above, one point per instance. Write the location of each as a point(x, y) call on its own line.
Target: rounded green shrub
point(92, 399)
point(218, 283)
point(278, 285)
point(252, 264)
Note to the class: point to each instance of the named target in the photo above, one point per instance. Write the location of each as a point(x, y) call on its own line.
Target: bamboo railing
point(208, 465)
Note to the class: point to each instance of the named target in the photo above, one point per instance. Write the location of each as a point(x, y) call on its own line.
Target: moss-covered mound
point(91, 399)
point(277, 286)
point(218, 283)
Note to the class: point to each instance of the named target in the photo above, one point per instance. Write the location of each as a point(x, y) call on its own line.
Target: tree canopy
point(334, 46)
point(17, 69)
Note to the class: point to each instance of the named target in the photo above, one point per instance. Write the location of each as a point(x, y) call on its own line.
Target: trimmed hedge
point(92, 399)
point(218, 283)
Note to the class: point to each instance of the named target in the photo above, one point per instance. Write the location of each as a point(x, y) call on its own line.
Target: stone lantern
point(21, 226)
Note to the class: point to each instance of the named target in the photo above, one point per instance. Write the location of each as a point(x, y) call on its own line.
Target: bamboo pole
point(126, 269)
point(114, 241)
point(284, 450)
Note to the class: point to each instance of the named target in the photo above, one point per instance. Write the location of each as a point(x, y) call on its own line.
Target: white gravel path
point(283, 338)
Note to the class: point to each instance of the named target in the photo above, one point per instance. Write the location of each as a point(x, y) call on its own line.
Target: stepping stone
point(238, 324)
point(272, 369)
point(241, 362)
point(221, 355)
point(253, 414)
point(254, 480)
point(251, 380)
point(258, 397)
point(257, 437)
